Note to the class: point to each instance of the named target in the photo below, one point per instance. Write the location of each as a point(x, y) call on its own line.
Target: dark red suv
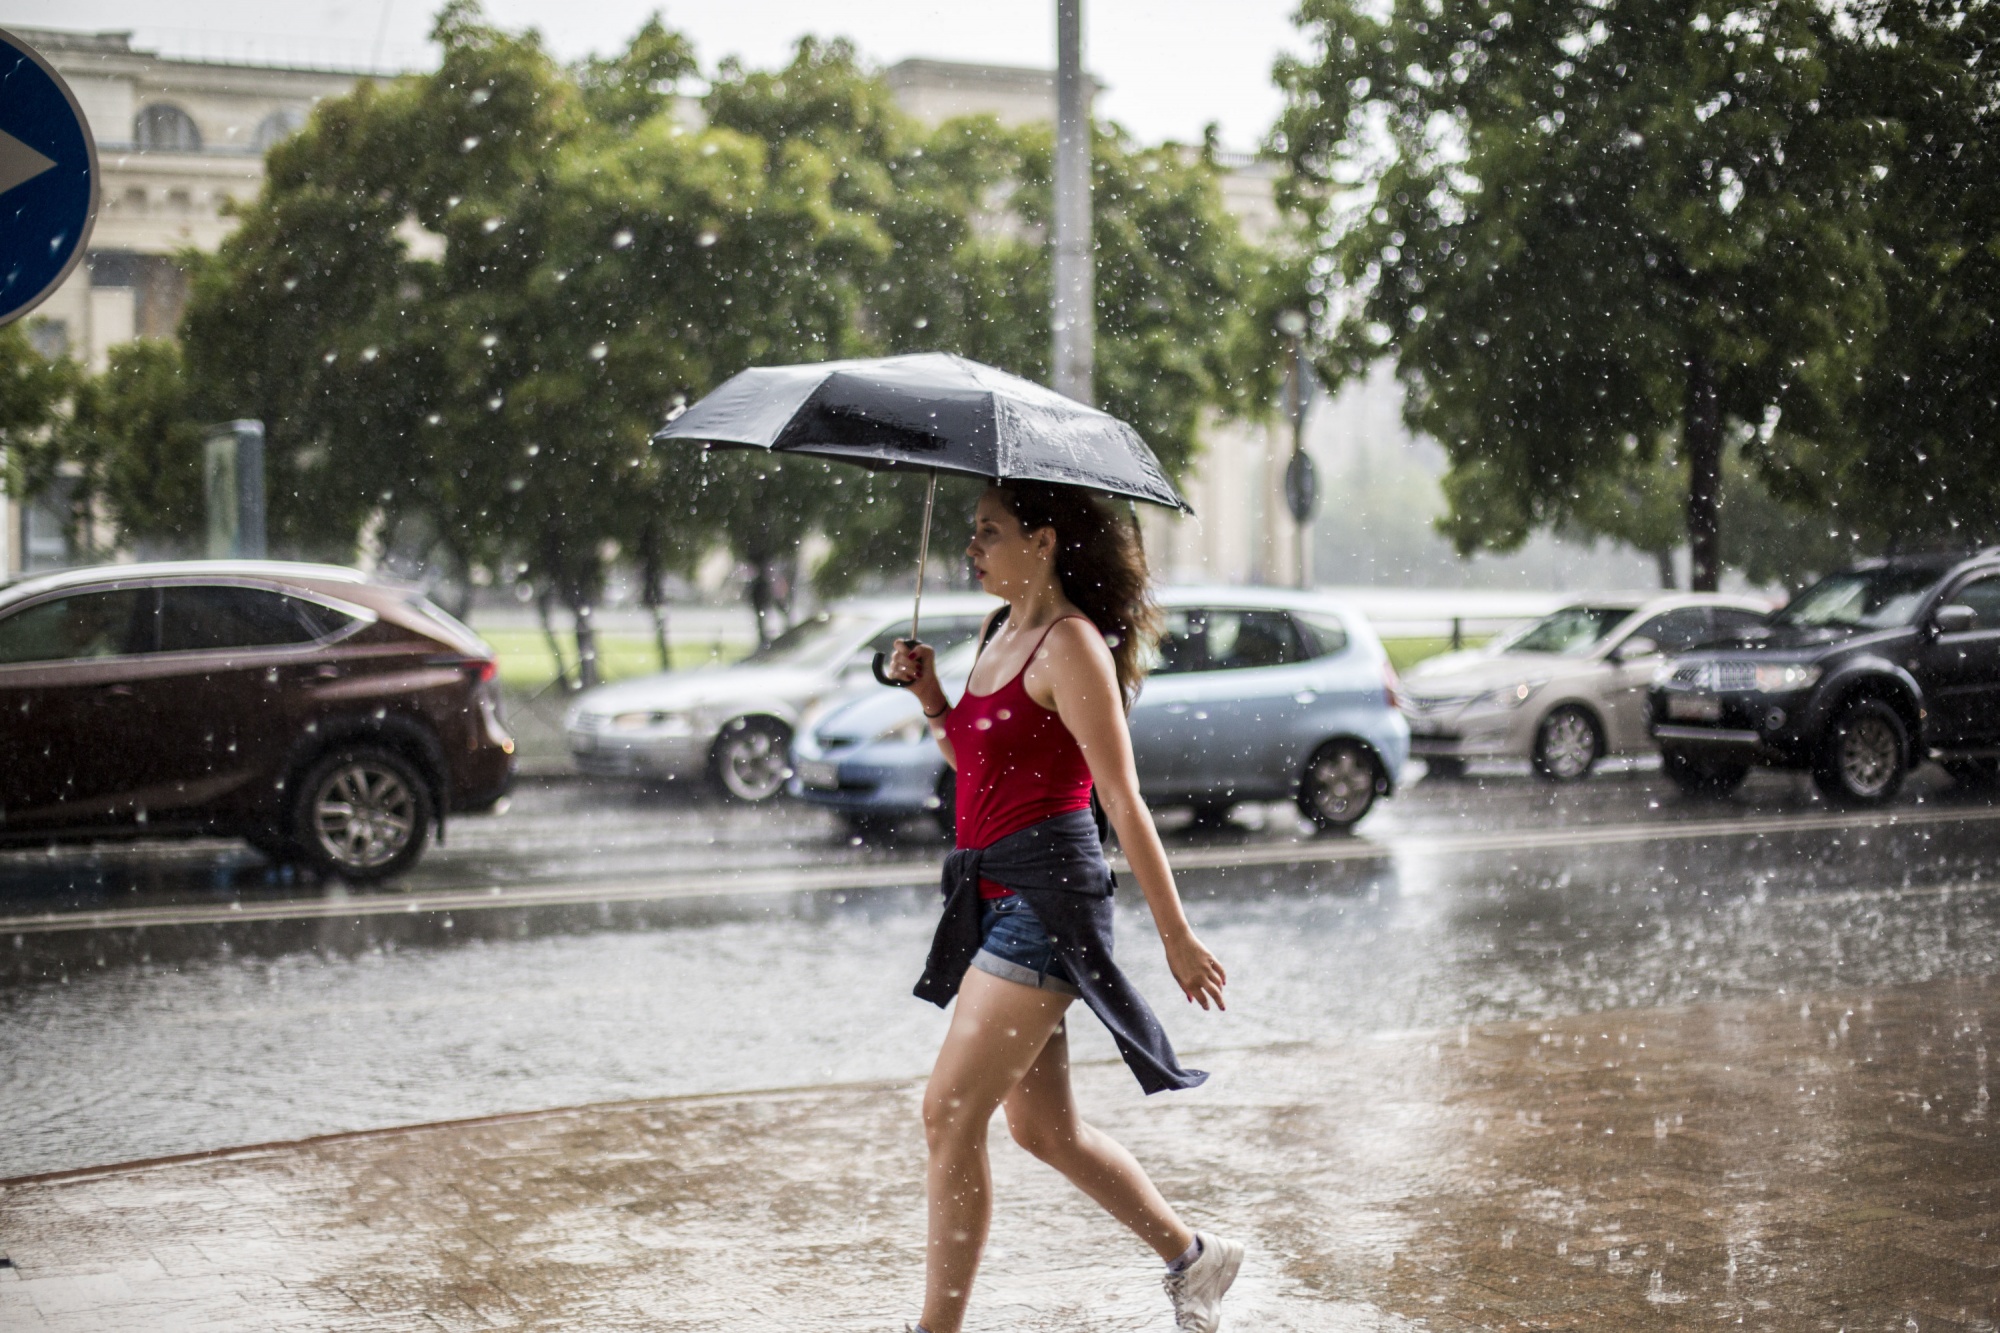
point(326, 717)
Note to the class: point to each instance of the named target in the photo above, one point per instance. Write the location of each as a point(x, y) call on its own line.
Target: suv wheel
point(750, 760)
point(1866, 753)
point(1567, 744)
point(363, 814)
point(1339, 785)
point(1702, 777)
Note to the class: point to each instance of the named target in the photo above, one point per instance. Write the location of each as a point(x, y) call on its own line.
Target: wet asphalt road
point(598, 942)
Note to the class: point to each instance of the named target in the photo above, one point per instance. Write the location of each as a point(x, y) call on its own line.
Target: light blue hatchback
point(1258, 695)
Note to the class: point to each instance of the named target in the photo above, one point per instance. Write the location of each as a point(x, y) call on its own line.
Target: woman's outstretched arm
point(1075, 668)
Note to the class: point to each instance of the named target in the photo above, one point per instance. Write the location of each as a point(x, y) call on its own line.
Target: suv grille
point(1718, 675)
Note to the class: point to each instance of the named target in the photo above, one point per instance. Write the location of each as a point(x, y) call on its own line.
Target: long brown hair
point(1101, 565)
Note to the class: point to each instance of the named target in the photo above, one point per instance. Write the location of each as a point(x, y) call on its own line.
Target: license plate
point(1694, 708)
point(819, 774)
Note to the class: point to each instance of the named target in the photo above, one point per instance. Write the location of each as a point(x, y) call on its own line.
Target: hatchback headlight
point(909, 731)
point(1787, 677)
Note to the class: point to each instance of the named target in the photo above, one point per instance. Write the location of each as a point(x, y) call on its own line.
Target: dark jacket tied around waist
point(1058, 868)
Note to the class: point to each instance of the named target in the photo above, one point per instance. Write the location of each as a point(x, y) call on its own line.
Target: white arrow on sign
point(19, 163)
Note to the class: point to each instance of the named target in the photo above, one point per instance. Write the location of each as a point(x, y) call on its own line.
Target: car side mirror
point(1636, 647)
point(1955, 618)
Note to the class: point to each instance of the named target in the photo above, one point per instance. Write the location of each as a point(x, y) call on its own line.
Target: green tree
point(468, 300)
point(134, 439)
point(1922, 462)
point(1586, 231)
point(34, 397)
point(947, 252)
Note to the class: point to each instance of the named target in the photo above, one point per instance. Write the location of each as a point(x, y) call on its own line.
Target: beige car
point(1564, 691)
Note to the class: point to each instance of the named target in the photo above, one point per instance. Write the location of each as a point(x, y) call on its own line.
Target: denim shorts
point(1014, 947)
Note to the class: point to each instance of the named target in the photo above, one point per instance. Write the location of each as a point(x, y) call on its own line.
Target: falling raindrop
point(471, 142)
point(705, 240)
point(598, 351)
point(621, 238)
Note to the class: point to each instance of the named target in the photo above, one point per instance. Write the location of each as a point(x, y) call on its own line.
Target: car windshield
point(1570, 632)
point(819, 641)
point(1861, 599)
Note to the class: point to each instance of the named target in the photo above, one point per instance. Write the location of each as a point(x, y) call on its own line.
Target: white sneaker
point(1197, 1290)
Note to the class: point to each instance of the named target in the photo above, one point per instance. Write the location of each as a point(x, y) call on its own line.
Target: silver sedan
point(1564, 691)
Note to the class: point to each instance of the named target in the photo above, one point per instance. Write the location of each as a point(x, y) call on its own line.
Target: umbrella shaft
point(923, 553)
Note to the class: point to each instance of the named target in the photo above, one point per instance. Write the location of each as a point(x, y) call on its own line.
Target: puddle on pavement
point(128, 1044)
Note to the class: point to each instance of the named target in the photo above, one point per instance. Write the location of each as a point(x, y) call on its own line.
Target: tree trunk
point(760, 599)
point(1701, 435)
point(1663, 559)
point(544, 600)
point(660, 644)
point(652, 578)
point(586, 643)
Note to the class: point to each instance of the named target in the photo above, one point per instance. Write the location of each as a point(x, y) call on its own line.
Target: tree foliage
point(1591, 232)
point(1921, 463)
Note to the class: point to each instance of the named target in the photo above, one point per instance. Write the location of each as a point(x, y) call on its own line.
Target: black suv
point(1863, 675)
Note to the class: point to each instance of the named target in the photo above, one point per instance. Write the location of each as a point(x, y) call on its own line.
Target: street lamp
point(1301, 482)
point(1074, 315)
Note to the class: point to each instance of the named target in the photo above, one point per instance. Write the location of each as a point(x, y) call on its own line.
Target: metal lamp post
point(1074, 315)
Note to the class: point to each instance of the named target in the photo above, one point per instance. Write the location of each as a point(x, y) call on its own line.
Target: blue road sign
point(48, 179)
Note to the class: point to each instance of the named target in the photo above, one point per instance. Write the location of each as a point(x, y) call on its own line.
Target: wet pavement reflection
point(1819, 1161)
point(1512, 1055)
point(1462, 903)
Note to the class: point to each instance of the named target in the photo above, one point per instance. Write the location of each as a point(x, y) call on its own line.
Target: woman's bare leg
point(997, 1030)
point(1041, 1113)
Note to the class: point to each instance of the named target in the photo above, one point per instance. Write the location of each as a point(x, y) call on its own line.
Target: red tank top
point(1017, 764)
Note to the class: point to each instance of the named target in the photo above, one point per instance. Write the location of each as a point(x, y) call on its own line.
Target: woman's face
point(1006, 560)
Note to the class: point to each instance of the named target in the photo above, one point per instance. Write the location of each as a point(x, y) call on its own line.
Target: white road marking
point(343, 905)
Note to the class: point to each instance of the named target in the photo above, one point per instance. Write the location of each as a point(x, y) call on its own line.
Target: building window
point(49, 338)
point(45, 524)
point(277, 127)
point(165, 128)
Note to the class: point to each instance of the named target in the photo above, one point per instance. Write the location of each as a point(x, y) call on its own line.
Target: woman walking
point(1027, 919)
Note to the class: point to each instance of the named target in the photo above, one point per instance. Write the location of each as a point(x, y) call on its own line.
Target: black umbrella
point(929, 412)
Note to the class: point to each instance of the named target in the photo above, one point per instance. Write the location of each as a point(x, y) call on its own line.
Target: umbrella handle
point(884, 676)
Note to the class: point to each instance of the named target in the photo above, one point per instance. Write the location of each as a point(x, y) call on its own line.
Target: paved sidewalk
point(1822, 1162)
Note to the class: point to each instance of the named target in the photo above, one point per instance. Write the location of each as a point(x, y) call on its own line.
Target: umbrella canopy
point(928, 412)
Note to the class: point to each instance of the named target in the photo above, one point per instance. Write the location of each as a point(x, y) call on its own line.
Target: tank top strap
point(1020, 677)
